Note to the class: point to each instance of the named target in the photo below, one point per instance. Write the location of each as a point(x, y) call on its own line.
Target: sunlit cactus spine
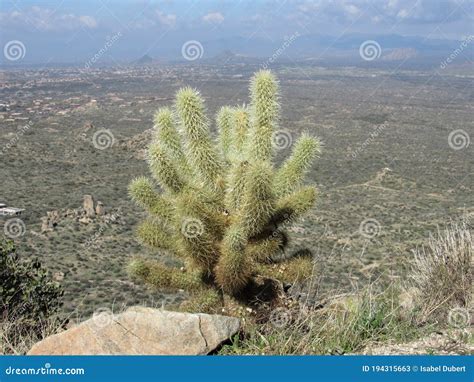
point(223, 206)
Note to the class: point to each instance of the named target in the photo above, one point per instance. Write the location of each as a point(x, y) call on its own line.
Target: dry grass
point(18, 332)
point(346, 324)
point(440, 281)
point(17, 338)
point(442, 273)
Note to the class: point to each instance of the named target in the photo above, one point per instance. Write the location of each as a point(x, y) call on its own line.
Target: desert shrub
point(442, 273)
point(28, 297)
point(224, 207)
point(345, 325)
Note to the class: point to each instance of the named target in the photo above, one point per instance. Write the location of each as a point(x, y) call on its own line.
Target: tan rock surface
point(141, 331)
point(89, 206)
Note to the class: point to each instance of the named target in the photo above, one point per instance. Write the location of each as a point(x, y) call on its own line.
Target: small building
point(10, 211)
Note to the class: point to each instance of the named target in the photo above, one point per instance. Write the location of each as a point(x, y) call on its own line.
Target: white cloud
point(164, 19)
point(213, 17)
point(88, 21)
point(351, 9)
point(403, 14)
point(153, 19)
point(47, 20)
point(408, 11)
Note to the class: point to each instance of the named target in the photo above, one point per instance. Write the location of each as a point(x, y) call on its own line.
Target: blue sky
point(67, 30)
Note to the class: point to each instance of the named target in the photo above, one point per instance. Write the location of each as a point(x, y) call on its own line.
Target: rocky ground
point(443, 343)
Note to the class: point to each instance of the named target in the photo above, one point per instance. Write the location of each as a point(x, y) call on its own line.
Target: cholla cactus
point(223, 207)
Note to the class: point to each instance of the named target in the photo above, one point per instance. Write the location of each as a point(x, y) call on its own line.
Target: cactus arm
point(289, 208)
point(241, 126)
point(152, 233)
point(166, 134)
point(233, 270)
point(164, 170)
point(291, 175)
point(142, 192)
point(258, 200)
point(263, 250)
point(199, 229)
point(224, 125)
point(264, 110)
point(296, 269)
point(194, 124)
point(159, 275)
point(236, 186)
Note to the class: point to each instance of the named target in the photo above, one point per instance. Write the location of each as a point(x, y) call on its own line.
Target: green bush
point(28, 295)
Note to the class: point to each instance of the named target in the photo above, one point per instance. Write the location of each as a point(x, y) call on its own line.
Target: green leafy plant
point(28, 295)
point(224, 207)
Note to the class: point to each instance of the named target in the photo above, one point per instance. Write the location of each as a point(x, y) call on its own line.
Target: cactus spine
point(223, 206)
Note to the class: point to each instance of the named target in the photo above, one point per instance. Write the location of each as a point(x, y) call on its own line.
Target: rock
point(112, 219)
point(87, 126)
point(99, 208)
point(140, 331)
point(50, 221)
point(89, 205)
point(85, 220)
point(53, 217)
point(58, 276)
point(45, 225)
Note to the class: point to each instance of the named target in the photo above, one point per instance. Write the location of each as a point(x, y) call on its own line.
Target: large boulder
point(100, 208)
point(89, 206)
point(141, 331)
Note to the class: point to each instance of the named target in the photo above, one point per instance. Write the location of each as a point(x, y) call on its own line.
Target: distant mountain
point(144, 60)
point(229, 57)
point(400, 54)
point(225, 56)
point(329, 48)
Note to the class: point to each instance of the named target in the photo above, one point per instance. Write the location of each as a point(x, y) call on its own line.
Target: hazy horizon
point(53, 31)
